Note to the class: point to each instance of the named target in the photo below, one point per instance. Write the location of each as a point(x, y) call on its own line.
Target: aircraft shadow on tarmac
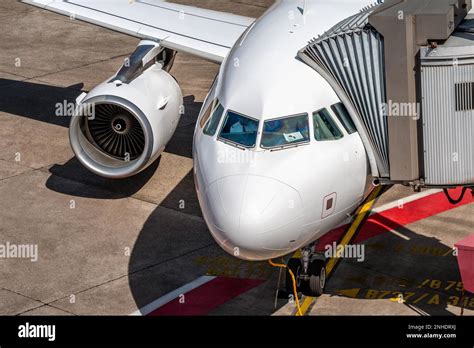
point(172, 250)
point(422, 268)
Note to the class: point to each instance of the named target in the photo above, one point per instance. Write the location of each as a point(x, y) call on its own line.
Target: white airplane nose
point(254, 217)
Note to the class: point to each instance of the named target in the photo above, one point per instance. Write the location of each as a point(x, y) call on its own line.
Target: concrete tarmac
point(112, 247)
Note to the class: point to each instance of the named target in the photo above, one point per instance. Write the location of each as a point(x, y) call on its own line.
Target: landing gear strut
point(309, 272)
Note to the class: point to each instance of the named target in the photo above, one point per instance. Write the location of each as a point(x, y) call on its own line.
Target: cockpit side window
point(285, 131)
point(325, 128)
point(206, 114)
point(239, 129)
point(213, 123)
point(344, 117)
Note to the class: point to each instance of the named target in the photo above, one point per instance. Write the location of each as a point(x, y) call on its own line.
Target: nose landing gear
point(309, 271)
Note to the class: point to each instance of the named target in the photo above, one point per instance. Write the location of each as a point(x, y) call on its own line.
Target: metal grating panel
point(464, 96)
point(352, 54)
point(448, 123)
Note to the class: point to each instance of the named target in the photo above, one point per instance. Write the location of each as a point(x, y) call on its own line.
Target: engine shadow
point(36, 101)
point(97, 186)
point(39, 102)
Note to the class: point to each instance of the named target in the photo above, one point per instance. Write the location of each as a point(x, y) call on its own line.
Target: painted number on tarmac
point(234, 268)
point(443, 285)
point(417, 298)
point(420, 249)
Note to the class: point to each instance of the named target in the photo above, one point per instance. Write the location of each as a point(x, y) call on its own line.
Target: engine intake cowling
point(123, 127)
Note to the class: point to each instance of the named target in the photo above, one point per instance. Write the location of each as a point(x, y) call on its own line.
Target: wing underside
point(201, 32)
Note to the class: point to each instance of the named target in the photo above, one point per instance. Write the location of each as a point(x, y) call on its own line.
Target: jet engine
point(123, 125)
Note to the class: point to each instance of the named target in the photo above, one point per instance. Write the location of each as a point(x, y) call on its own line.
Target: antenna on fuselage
point(304, 12)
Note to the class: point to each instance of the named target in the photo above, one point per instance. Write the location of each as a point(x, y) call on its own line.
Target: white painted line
point(404, 200)
point(401, 202)
point(172, 295)
point(399, 234)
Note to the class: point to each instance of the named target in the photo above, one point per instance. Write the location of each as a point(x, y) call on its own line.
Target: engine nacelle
point(123, 125)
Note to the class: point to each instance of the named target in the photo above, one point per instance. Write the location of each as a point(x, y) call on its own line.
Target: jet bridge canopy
point(405, 71)
point(350, 57)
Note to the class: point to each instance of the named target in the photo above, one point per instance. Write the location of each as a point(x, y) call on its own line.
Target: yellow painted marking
point(352, 293)
point(405, 297)
point(384, 293)
point(308, 301)
point(426, 281)
point(420, 298)
point(453, 300)
point(371, 294)
point(450, 251)
point(408, 295)
point(451, 283)
point(434, 300)
point(361, 215)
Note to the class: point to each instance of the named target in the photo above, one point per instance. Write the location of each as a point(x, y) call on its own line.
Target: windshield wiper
point(288, 146)
point(237, 145)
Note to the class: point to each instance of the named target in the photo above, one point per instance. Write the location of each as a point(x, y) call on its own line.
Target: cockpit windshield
point(239, 129)
point(286, 131)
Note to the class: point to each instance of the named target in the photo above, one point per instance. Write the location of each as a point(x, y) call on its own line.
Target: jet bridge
point(405, 71)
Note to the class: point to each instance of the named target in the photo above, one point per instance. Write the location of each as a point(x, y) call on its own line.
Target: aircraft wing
point(201, 32)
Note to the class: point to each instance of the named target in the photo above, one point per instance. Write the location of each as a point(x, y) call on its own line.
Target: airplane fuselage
point(276, 166)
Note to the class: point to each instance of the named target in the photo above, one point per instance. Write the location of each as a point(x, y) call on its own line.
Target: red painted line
point(207, 297)
point(395, 218)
